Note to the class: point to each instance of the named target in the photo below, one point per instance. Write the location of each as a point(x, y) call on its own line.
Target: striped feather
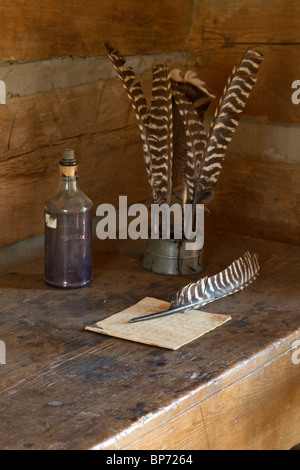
point(139, 103)
point(226, 119)
point(194, 142)
point(193, 89)
point(160, 132)
point(236, 277)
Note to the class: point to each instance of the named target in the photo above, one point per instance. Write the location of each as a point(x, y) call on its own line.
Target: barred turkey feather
point(195, 142)
point(138, 100)
point(240, 274)
point(156, 126)
point(193, 88)
point(236, 277)
point(195, 92)
point(160, 132)
point(226, 119)
point(176, 149)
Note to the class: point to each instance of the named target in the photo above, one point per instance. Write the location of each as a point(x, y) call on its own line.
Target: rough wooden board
point(170, 332)
point(59, 377)
point(35, 30)
point(224, 29)
point(105, 139)
point(258, 196)
point(248, 404)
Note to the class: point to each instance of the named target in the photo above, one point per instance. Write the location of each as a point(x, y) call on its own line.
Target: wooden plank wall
point(95, 119)
point(255, 194)
point(37, 30)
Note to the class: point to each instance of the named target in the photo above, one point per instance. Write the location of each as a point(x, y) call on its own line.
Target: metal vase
point(172, 258)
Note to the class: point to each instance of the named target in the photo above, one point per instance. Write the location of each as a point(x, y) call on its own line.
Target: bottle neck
point(68, 177)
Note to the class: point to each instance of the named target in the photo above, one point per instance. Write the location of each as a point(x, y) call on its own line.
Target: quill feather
point(226, 119)
point(193, 89)
point(236, 277)
point(138, 100)
point(242, 272)
point(156, 126)
point(160, 132)
point(195, 142)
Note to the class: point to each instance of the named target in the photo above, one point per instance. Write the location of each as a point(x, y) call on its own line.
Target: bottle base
point(67, 286)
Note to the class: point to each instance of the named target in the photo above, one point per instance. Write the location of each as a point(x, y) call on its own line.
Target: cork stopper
point(68, 163)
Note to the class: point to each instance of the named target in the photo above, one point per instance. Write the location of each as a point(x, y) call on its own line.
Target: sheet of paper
point(171, 332)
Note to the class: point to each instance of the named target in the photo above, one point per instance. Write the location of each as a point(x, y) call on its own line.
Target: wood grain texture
point(65, 388)
point(259, 197)
point(256, 22)
point(244, 416)
point(47, 119)
point(29, 180)
point(270, 100)
point(97, 121)
point(223, 30)
point(37, 30)
point(255, 196)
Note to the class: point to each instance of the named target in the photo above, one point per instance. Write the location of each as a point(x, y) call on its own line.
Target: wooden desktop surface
point(238, 387)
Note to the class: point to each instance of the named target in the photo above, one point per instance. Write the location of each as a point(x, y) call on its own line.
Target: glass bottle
point(68, 230)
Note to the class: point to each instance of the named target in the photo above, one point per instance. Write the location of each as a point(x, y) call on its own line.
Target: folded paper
point(170, 332)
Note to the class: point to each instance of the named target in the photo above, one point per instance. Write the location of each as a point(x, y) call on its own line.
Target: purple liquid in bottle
point(68, 231)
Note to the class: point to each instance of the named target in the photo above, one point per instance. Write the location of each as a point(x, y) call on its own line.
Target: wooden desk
point(235, 388)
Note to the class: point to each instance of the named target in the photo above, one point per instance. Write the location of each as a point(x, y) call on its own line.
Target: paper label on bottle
point(51, 222)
